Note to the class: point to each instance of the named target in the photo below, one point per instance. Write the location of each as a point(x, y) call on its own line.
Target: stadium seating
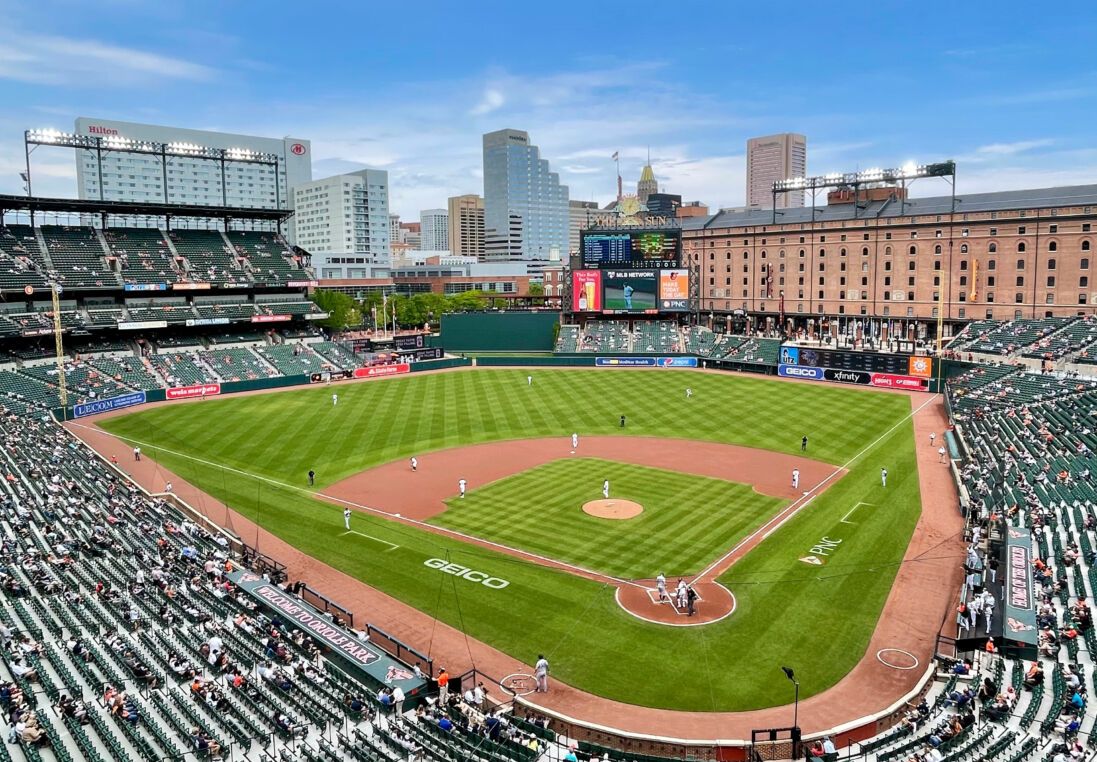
point(568, 339)
point(1013, 336)
point(155, 311)
point(143, 255)
point(210, 260)
point(77, 257)
point(18, 267)
point(336, 354)
point(294, 359)
point(272, 261)
point(104, 318)
point(237, 364)
point(1071, 338)
point(657, 336)
point(180, 368)
point(223, 311)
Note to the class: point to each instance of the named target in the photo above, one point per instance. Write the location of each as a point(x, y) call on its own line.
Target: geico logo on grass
point(463, 571)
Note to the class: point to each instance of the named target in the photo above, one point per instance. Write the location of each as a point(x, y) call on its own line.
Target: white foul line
point(800, 503)
point(392, 546)
point(549, 562)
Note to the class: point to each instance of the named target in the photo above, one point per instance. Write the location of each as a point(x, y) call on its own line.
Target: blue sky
point(1007, 90)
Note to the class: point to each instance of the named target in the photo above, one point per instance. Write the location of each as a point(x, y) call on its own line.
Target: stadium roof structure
point(1040, 198)
point(35, 204)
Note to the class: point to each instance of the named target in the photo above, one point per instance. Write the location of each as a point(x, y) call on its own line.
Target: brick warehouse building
point(1003, 255)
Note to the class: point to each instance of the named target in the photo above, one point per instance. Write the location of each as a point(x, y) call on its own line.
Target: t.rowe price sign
point(382, 370)
point(889, 381)
point(190, 392)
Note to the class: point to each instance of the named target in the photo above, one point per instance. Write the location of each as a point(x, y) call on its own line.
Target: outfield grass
point(688, 521)
point(816, 619)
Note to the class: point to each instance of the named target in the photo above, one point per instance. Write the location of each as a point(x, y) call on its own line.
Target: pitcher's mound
point(613, 509)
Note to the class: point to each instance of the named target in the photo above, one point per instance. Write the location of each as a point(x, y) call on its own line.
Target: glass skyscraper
point(518, 183)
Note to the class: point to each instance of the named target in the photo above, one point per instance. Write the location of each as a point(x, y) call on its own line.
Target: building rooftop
point(1039, 198)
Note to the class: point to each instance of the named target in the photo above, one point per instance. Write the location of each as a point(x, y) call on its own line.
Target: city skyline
point(1012, 107)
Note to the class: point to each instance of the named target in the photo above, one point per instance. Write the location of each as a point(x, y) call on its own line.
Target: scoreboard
point(891, 370)
point(632, 249)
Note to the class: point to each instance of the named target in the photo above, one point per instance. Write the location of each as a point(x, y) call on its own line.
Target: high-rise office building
point(123, 176)
point(466, 225)
point(434, 229)
point(772, 158)
point(345, 214)
point(518, 182)
point(664, 204)
point(579, 214)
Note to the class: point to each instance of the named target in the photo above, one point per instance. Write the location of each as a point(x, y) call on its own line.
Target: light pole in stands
point(795, 711)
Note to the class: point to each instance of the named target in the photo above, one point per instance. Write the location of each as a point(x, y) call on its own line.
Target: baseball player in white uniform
point(605, 489)
point(461, 484)
point(346, 518)
point(795, 478)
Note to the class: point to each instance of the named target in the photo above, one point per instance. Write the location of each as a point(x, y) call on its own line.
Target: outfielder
point(334, 400)
point(346, 518)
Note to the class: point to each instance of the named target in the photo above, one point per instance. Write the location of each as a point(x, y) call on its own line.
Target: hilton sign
point(97, 130)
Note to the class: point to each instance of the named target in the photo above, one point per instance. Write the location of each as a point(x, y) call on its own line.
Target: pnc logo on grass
point(815, 561)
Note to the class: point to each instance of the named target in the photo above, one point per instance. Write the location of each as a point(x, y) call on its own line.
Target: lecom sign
point(297, 149)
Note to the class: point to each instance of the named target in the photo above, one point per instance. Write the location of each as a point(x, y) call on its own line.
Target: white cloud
point(1009, 149)
point(65, 61)
point(493, 100)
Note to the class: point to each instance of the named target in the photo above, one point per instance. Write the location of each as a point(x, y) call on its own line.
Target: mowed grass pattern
point(818, 620)
point(687, 521)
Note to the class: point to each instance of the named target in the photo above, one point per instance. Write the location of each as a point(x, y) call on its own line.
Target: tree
point(342, 311)
point(536, 289)
point(468, 301)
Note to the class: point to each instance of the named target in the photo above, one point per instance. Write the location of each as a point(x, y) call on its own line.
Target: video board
point(622, 292)
point(633, 249)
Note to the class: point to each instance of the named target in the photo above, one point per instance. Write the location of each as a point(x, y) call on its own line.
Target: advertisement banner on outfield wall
point(586, 291)
point(145, 287)
point(797, 371)
point(1020, 621)
point(677, 362)
point(645, 362)
point(190, 392)
point(382, 370)
point(114, 403)
point(890, 381)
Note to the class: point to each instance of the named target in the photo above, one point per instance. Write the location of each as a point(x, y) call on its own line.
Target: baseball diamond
point(709, 515)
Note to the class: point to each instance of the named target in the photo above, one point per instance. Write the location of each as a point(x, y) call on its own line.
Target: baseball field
point(808, 594)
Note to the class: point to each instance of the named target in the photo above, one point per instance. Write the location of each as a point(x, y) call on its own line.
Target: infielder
point(883, 477)
point(795, 478)
point(414, 463)
point(346, 518)
point(529, 380)
point(605, 489)
point(932, 438)
point(574, 441)
point(461, 484)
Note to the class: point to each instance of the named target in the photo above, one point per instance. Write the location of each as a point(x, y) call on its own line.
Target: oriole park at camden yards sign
point(297, 613)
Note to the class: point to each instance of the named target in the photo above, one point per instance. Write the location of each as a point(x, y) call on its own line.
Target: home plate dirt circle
point(641, 599)
point(613, 509)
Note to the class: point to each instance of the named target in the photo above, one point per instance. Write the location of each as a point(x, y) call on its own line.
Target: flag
point(615, 154)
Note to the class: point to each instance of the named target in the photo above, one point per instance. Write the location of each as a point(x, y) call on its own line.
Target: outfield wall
point(499, 331)
point(220, 389)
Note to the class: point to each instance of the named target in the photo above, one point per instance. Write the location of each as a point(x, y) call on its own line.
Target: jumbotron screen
point(636, 249)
